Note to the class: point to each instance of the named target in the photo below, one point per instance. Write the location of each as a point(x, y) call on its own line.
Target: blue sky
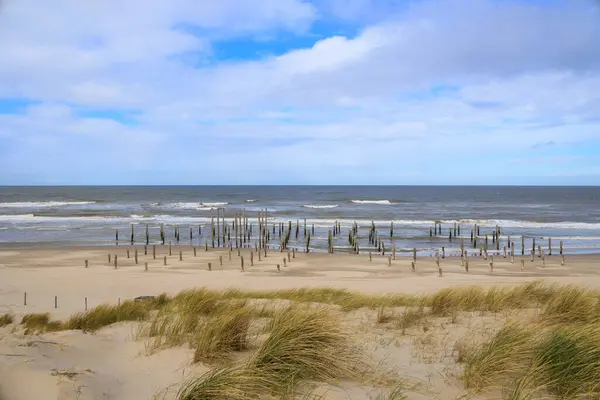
point(300, 92)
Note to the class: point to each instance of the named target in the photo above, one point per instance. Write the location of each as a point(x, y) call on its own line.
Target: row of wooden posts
point(240, 234)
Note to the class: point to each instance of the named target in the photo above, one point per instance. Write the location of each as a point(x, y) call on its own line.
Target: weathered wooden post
point(394, 252)
point(127, 253)
point(165, 260)
point(278, 268)
point(561, 247)
point(154, 251)
point(117, 237)
point(194, 251)
point(135, 256)
point(132, 236)
point(492, 264)
point(389, 261)
point(86, 263)
point(115, 261)
point(209, 266)
point(522, 265)
point(109, 258)
point(539, 251)
point(25, 298)
point(443, 252)
point(370, 257)
point(504, 251)
point(284, 262)
point(562, 260)
point(251, 258)
point(145, 266)
point(415, 254)
point(169, 247)
point(549, 246)
point(85, 303)
point(162, 233)
point(522, 245)
point(55, 301)
point(532, 253)
point(466, 265)
point(147, 235)
point(412, 266)
point(206, 245)
point(293, 253)
point(437, 259)
point(242, 262)
point(180, 255)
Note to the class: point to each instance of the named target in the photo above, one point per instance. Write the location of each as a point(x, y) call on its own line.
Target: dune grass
point(304, 344)
point(106, 314)
point(6, 319)
point(222, 334)
point(410, 317)
point(39, 323)
point(506, 353)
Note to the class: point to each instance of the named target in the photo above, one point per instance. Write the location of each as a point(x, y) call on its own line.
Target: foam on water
point(320, 206)
point(382, 202)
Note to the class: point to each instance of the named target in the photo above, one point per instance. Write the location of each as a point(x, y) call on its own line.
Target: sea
point(90, 215)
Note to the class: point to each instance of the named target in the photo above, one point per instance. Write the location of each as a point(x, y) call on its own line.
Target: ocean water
point(90, 215)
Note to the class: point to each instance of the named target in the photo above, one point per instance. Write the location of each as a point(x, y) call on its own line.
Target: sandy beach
point(110, 364)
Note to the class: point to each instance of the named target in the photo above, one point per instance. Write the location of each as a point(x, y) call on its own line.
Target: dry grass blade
point(38, 323)
point(305, 344)
point(106, 314)
point(224, 333)
point(6, 319)
point(226, 383)
point(571, 304)
point(505, 355)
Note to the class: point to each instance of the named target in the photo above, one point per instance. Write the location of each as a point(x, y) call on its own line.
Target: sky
point(469, 92)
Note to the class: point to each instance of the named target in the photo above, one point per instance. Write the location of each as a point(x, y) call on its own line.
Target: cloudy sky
point(300, 92)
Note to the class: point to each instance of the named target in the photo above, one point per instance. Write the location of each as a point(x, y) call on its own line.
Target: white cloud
point(524, 73)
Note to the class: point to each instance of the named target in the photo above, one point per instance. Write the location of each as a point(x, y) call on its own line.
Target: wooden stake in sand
point(115, 261)
point(117, 237)
point(242, 262)
point(412, 266)
point(561, 247)
point(209, 266)
point(549, 246)
point(145, 266)
point(154, 251)
point(415, 254)
point(194, 252)
point(522, 245)
point(466, 265)
point(492, 264)
point(147, 236)
point(504, 251)
point(180, 255)
point(394, 252)
point(278, 268)
point(389, 261)
point(86, 304)
point(532, 255)
point(135, 256)
point(132, 236)
point(145, 250)
point(562, 260)
point(251, 258)
point(293, 253)
point(55, 301)
point(165, 260)
point(370, 257)
point(522, 265)
point(25, 298)
point(284, 262)
point(109, 258)
point(221, 260)
point(127, 253)
point(86, 263)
